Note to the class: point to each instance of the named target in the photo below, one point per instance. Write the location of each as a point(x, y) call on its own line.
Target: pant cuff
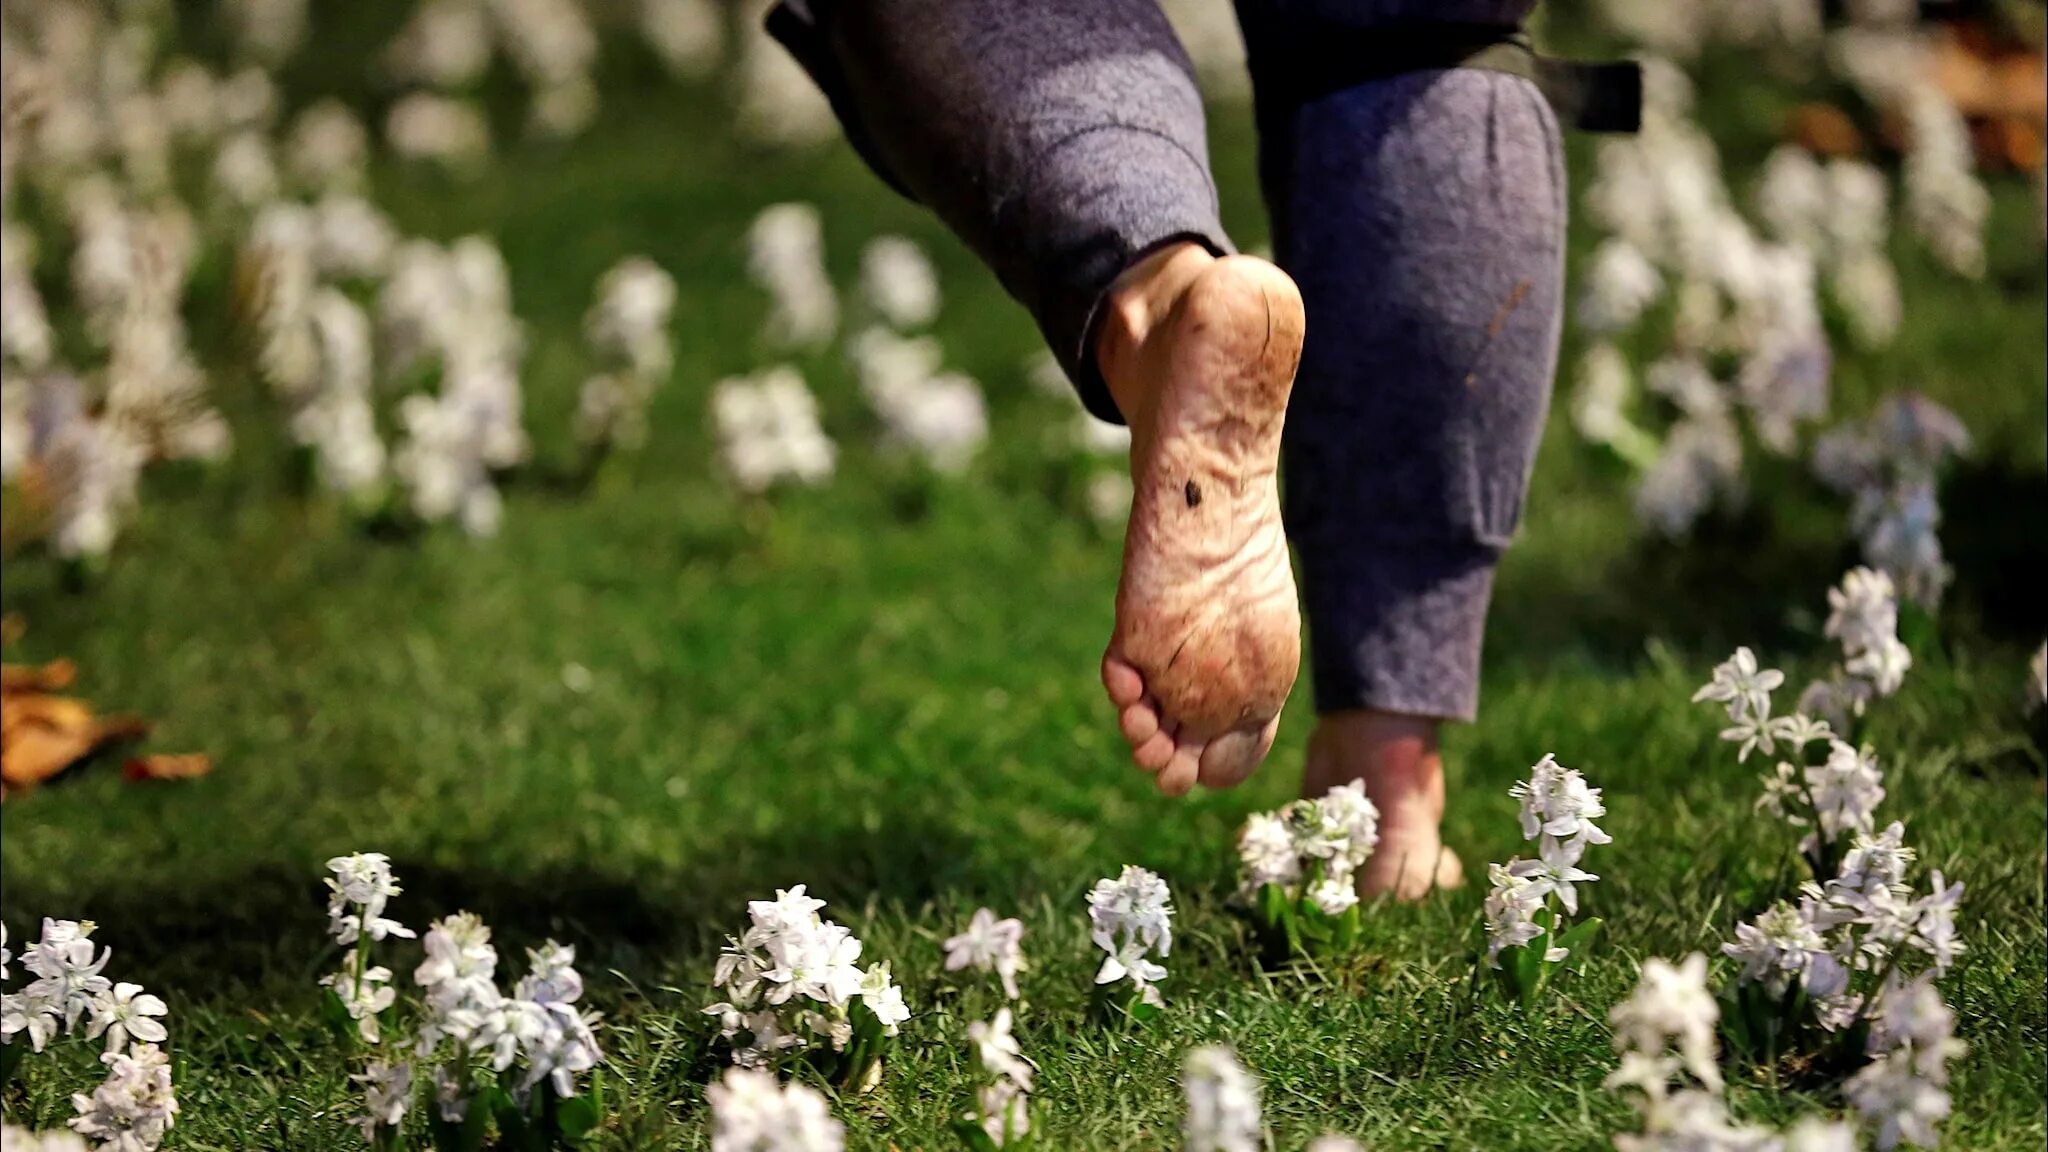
point(1398, 628)
point(1128, 220)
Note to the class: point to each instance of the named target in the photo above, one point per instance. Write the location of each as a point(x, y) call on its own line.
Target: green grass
point(885, 689)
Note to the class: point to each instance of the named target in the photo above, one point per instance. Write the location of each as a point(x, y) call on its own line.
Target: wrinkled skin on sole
point(1208, 632)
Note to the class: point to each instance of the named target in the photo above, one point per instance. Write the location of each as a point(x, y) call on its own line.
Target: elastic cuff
point(1173, 201)
point(1398, 628)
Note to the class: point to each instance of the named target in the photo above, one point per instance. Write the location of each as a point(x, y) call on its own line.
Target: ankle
point(1137, 303)
point(1396, 757)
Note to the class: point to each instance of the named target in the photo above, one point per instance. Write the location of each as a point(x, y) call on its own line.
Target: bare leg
point(1397, 758)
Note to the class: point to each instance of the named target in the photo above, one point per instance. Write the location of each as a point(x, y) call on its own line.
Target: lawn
point(647, 702)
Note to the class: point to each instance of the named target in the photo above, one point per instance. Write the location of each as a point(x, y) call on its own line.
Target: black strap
point(1295, 61)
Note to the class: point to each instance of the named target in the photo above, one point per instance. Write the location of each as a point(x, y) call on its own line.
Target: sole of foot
point(1208, 633)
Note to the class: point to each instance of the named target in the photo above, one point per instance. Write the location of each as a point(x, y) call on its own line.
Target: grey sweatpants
point(1422, 216)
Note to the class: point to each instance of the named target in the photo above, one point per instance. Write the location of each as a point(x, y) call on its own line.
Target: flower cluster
point(687, 35)
point(516, 1057)
point(989, 945)
point(69, 989)
point(1860, 927)
point(1889, 466)
point(1558, 808)
point(1738, 299)
point(1840, 213)
point(627, 329)
point(1223, 1103)
point(786, 256)
point(135, 1105)
point(1131, 919)
point(1902, 1094)
point(1002, 1106)
point(1311, 849)
point(939, 415)
point(1664, 1034)
point(898, 282)
point(752, 1112)
point(768, 430)
point(1836, 797)
point(792, 985)
point(1863, 617)
point(449, 310)
point(447, 45)
point(358, 891)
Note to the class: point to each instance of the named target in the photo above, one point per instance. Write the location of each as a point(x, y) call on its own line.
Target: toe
point(1232, 757)
point(1126, 687)
point(1155, 753)
point(1140, 723)
point(1178, 777)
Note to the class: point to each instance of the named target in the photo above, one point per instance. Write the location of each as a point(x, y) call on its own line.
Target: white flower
point(1744, 687)
point(1223, 1103)
point(883, 998)
point(996, 1048)
point(1671, 1007)
point(358, 891)
point(22, 1140)
point(1777, 947)
point(1556, 870)
point(561, 1047)
point(551, 977)
point(1131, 917)
point(1620, 284)
point(1845, 790)
point(785, 254)
point(452, 133)
point(899, 282)
point(1334, 896)
point(68, 967)
point(1901, 1104)
point(688, 35)
point(1863, 610)
point(991, 945)
point(1883, 666)
point(1003, 1108)
point(1557, 802)
point(134, 1107)
point(387, 1093)
point(768, 430)
point(1510, 909)
point(1137, 906)
point(30, 1012)
point(751, 1112)
point(460, 966)
point(364, 995)
point(790, 980)
point(1934, 922)
point(126, 1011)
point(1267, 849)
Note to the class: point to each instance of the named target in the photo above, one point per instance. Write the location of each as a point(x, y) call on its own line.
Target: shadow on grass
point(1992, 533)
point(1741, 577)
point(259, 936)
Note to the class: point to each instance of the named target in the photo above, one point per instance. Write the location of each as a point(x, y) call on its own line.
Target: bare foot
point(1396, 756)
point(1199, 353)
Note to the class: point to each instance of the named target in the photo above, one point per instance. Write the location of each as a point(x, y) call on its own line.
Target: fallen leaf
point(51, 677)
point(167, 766)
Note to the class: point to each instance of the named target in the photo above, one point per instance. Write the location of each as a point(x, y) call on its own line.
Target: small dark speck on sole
point(1193, 493)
